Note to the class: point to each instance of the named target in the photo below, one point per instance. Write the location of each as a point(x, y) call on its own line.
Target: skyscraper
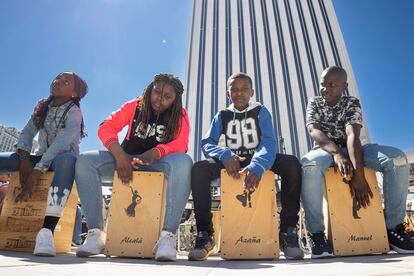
point(8, 138)
point(283, 44)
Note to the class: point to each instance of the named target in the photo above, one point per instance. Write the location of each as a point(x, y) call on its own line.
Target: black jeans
point(286, 166)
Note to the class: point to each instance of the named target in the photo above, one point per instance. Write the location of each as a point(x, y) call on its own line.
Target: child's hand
point(361, 190)
point(26, 167)
point(233, 166)
point(123, 167)
point(343, 164)
point(146, 158)
point(251, 182)
point(28, 186)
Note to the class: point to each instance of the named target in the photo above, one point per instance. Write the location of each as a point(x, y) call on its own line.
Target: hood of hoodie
point(249, 107)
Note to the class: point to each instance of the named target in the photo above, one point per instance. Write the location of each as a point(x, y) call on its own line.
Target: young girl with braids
point(59, 123)
point(157, 139)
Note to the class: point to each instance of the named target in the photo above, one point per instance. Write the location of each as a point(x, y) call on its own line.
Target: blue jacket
point(263, 154)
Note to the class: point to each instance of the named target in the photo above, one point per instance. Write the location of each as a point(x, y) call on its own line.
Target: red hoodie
point(109, 129)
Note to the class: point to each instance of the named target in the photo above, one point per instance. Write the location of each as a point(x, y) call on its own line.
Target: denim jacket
point(57, 136)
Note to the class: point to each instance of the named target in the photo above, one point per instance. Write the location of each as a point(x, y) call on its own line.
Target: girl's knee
point(65, 161)
point(84, 161)
point(182, 160)
point(81, 162)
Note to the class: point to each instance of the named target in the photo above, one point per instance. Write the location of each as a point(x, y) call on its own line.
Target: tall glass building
point(283, 44)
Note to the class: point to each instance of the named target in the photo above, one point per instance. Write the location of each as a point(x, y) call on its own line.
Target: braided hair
point(173, 113)
point(42, 106)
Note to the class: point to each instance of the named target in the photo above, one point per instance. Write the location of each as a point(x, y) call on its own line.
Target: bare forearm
point(356, 154)
point(116, 150)
point(122, 162)
point(154, 153)
point(359, 186)
point(324, 142)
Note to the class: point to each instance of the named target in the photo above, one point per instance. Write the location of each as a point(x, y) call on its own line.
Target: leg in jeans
point(177, 168)
point(64, 173)
point(202, 174)
point(290, 170)
point(393, 165)
point(10, 161)
point(93, 168)
point(314, 165)
point(77, 229)
point(64, 167)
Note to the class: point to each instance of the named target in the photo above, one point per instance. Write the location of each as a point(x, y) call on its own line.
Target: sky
point(117, 46)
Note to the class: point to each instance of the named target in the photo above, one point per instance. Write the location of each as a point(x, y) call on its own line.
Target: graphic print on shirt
point(242, 131)
point(242, 134)
point(333, 120)
point(151, 130)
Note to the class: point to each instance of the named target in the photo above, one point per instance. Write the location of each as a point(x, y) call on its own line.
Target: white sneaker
point(45, 245)
point(93, 245)
point(166, 247)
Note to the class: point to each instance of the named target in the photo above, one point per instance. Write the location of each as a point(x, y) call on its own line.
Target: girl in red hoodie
point(157, 139)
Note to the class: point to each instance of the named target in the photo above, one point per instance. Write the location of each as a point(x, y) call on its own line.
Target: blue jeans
point(96, 167)
point(77, 229)
point(391, 162)
point(64, 167)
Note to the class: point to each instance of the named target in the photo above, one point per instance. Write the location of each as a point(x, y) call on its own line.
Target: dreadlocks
point(173, 113)
point(41, 108)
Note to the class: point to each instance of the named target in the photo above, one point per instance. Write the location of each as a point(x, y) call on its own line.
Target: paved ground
point(19, 264)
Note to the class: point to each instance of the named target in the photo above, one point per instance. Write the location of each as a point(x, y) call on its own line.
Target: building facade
point(283, 45)
point(410, 158)
point(8, 138)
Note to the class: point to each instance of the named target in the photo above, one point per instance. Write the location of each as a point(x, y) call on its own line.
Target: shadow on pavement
point(213, 262)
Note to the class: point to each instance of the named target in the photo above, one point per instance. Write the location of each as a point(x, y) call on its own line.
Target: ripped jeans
point(389, 161)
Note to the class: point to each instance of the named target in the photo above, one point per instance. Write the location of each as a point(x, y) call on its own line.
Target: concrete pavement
point(25, 264)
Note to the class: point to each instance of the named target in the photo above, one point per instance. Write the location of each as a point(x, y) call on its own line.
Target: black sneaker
point(289, 244)
point(320, 246)
point(408, 229)
point(204, 247)
point(400, 241)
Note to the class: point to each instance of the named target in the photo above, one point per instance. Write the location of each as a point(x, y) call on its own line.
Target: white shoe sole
point(44, 254)
point(297, 257)
point(323, 255)
point(400, 250)
point(171, 258)
point(166, 259)
point(211, 252)
point(83, 253)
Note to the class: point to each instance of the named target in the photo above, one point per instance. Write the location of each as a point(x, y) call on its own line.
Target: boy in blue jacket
point(249, 149)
